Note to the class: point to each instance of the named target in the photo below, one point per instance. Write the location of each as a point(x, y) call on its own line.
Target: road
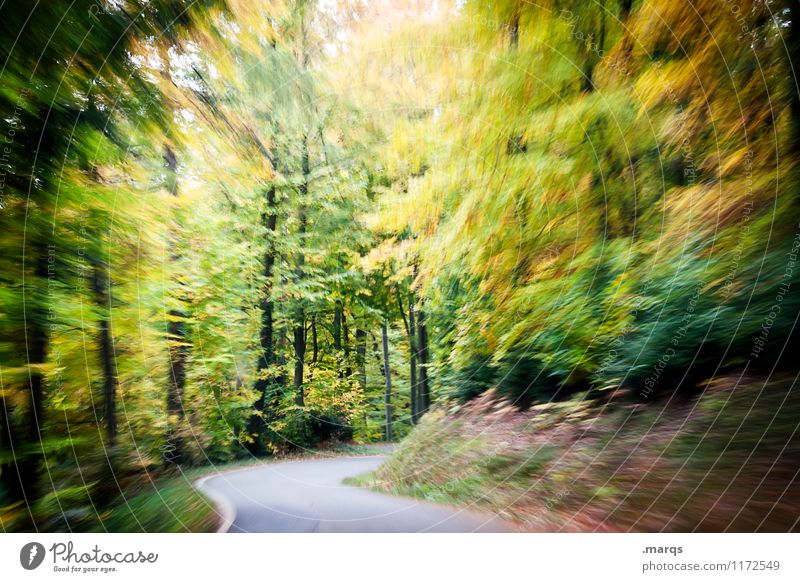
point(308, 496)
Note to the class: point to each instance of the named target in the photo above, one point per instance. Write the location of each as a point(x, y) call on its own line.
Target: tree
point(387, 374)
point(409, 323)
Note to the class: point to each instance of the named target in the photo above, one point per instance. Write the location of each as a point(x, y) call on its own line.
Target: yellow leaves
point(665, 84)
point(706, 208)
point(677, 25)
point(418, 208)
point(387, 252)
point(735, 162)
point(271, 373)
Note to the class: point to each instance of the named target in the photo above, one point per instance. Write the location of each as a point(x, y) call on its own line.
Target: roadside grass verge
point(725, 461)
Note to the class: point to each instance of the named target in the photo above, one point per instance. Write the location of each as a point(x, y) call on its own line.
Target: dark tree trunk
point(387, 374)
point(337, 326)
point(101, 287)
point(178, 353)
point(282, 347)
point(361, 363)
point(267, 336)
point(300, 259)
point(314, 342)
point(422, 339)
point(348, 371)
point(412, 343)
point(361, 356)
point(299, 360)
point(178, 346)
point(102, 292)
point(337, 338)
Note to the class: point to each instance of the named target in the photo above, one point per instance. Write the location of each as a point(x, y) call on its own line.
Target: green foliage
point(208, 218)
point(332, 405)
point(639, 230)
point(470, 380)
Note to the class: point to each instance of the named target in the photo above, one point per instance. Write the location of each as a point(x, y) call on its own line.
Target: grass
point(166, 506)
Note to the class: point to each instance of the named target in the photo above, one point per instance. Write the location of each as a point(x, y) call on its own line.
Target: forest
point(248, 229)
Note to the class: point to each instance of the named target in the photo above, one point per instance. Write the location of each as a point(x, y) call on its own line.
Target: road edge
point(225, 509)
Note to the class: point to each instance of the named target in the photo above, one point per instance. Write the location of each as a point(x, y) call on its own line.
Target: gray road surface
point(308, 496)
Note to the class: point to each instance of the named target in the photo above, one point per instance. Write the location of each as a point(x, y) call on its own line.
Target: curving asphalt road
point(308, 496)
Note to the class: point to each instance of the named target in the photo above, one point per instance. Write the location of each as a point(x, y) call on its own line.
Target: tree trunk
point(269, 220)
point(178, 347)
point(300, 259)
point(314, 342)
point(422, 339)
point(282, 361)
point(412, 346)
point(337, 326)
point(361, 356)
point(361, 362)
point(348, 371)
point(299, 360)
point(178, 354)
point(101, 287)
point(387, 374)
point(102, 292)
point(411, 332)
point(337, 336)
